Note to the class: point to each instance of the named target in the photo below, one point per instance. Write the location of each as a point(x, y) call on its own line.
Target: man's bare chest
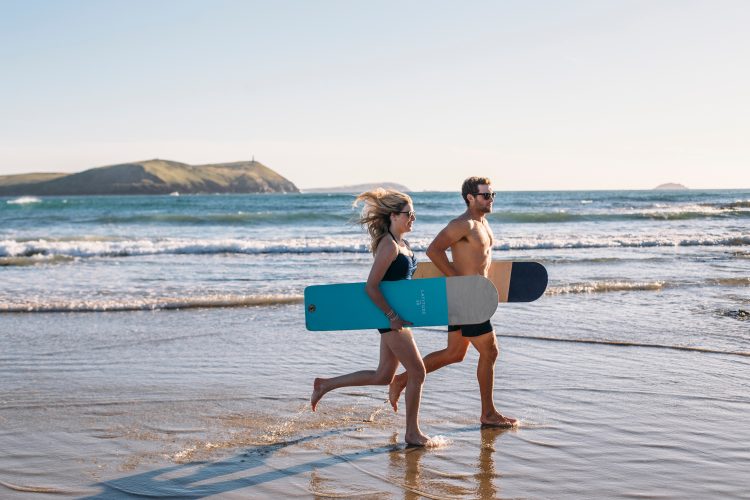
point(481, 235)
point(477, 240)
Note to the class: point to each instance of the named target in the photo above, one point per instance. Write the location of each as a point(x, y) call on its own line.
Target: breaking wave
point(226, 219)
point(604, 287)
point(638, 286)
point(86, 247)
point(24, 200)
point(148, 304)
point(737, 209)
point(129, 303)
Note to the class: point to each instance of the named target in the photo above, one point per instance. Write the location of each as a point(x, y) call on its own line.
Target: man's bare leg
point(488, 351)
point(454, 352)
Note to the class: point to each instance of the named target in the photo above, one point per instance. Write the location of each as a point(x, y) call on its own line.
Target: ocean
point(155, 346)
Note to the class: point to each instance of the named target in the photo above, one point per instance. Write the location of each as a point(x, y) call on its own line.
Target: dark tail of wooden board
point(528, 281)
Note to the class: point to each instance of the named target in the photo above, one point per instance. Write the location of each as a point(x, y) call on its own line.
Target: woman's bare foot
point(395, 389)
point(498, 420)
point(416, 439)
point(318, 392)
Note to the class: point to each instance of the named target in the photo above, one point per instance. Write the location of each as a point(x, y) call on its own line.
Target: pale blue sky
point(535, 94)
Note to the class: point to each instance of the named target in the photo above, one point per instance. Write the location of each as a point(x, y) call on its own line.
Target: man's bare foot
point(498, 420)
point(317, 393)
point(416, 439)
point(395, 389)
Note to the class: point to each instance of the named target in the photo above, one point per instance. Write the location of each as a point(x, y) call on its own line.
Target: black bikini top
point(402, 267)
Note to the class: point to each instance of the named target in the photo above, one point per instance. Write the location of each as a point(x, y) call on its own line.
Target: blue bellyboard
point(347, 306)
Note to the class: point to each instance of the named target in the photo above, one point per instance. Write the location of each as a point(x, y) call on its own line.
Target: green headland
point(152, 177)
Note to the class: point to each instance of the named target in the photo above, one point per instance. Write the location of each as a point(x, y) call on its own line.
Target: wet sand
point(203, 403)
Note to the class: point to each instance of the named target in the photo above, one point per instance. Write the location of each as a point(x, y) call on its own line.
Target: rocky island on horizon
point(670, 186)
point(151, 177)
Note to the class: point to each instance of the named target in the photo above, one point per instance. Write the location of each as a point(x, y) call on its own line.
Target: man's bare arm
point(450, 234)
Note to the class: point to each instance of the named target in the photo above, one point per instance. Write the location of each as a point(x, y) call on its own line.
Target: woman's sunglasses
point(411, 214)
point(487, 196)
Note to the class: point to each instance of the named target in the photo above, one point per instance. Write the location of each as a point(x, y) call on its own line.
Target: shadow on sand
point(179, 482)
point(159, 484)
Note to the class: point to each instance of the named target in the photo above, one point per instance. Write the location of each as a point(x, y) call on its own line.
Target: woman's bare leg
point(382, 376)
point(405, 350)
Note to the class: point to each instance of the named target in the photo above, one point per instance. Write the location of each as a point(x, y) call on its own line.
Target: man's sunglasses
point(412, 214)
point(487, 196)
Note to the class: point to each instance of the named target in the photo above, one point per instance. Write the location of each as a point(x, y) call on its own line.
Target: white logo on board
point(422, 302)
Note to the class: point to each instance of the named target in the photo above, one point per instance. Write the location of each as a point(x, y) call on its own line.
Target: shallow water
point(197, 403)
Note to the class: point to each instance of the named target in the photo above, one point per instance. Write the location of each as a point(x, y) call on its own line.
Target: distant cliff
point(152, 177)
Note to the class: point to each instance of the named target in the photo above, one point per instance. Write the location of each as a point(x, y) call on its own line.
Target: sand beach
point(219, 410)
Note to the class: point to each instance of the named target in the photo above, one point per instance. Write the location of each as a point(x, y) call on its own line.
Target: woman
point(388, 215)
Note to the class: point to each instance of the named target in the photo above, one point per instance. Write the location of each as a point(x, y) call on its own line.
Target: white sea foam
point(140, 247)
point(675, 211)
point(98, 247)
point(625, 241)
point(604, 286)
point(639, 286)
point(120, 304)
point(24, 200)
point(439, 441)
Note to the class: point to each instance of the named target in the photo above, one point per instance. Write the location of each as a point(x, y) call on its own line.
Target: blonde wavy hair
point(378, 205)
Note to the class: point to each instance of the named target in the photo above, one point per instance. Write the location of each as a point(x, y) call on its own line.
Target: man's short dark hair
point(471, 185)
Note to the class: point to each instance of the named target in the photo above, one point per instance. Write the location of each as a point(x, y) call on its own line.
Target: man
point(470, 239)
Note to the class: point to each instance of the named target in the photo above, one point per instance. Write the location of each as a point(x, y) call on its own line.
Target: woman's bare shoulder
point(387, 246)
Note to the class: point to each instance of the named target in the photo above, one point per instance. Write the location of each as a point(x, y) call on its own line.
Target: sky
point(536, 95)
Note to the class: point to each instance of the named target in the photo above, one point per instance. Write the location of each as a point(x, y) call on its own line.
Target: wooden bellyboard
point(515, 281)
point(426, 302)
